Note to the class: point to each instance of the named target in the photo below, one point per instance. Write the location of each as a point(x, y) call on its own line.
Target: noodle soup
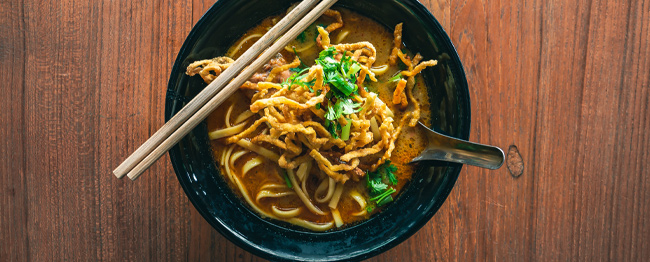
point(320, 137)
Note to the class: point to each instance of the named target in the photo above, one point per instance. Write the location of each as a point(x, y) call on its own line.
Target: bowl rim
point(459, 73)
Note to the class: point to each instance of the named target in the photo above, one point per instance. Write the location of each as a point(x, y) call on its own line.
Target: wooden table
point(562, 83)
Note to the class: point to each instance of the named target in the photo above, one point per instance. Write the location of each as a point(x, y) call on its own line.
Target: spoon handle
point(449, 149)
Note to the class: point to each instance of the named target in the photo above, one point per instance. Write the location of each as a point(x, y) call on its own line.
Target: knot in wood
point(514, 162)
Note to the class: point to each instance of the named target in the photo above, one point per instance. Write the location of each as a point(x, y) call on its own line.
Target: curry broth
point(408, 145)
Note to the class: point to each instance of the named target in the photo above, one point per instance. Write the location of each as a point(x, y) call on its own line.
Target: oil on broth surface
point(409, 143)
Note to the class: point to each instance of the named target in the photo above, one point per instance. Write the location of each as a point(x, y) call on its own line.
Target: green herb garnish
point(395, 78)
point(341, 76)
point(384, 198)
point(310, 30)
point(333, 128)
point(297, 79)
point(345, 131)
point(302, 36)
point(374, 183)
point(378, 184)
point(342, 107)
point(287, 180)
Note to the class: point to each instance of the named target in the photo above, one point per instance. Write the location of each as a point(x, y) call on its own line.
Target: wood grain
point(83, 84)
point(131, 96)
point(13, 198)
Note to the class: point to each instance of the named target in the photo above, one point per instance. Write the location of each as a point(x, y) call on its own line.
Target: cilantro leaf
point(379, 189)
point(388, 171)
point(331, 114)
point(374, 183)
point(330, 51)
point(377, 186)
point(339, 73)
point(392, 178)
point(341, 107)
point(333, 128)
point(297, 79)
point(347, 106)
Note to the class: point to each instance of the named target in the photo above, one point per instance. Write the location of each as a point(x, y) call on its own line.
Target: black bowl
point(195, 168)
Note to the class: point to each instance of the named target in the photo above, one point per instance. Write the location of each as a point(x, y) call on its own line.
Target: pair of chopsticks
point(215, 93)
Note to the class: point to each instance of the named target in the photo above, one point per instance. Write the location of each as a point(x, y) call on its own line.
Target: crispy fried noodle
point(319, 118)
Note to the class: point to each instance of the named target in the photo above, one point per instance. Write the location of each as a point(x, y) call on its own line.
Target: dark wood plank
point(60, 79)
point(568, 127)
point(615, 93)
point(558, 127)
point(630, 197)
point(13, 195)
point(147, 220)
point(498, 42)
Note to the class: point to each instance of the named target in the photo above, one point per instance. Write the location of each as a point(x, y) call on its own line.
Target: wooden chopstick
point(213, 88)
point(170, 134)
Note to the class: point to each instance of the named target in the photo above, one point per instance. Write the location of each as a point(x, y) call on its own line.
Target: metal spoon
point(449, 149)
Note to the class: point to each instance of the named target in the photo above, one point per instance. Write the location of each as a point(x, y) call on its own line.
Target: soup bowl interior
point(201, 180)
